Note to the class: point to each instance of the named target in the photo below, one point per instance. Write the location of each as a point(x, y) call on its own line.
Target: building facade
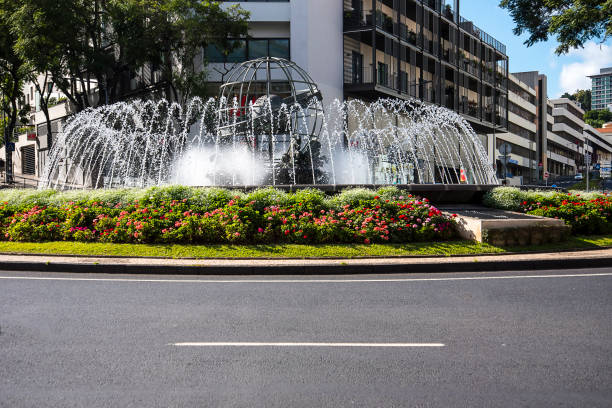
point(521, 135)
point(371, 49)
point(562, 138)
point(598, 145)
point(601, 89)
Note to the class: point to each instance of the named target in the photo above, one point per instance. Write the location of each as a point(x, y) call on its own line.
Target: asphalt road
point(536, 339)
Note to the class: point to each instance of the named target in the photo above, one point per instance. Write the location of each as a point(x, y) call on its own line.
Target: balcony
point(355, 20)
point(468, 65)
point(407, 35)
point(563, 128)
point(371, 82)
point(469, 107)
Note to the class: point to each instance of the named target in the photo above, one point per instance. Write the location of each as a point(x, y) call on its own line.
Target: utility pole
point(587, 160)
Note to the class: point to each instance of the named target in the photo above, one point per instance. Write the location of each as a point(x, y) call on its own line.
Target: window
point(382, 74)
point(214, 54)
point(239, 53)
point(28, 160)
point(279, 48)
point(258, 48)
point(357, 68)
point(250, 49)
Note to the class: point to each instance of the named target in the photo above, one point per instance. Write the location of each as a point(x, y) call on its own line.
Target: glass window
point(239, 53)
point(214, 54)
point(279, 48)
point(258, 49)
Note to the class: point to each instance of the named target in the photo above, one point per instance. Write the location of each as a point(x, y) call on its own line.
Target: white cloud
point(590, 59)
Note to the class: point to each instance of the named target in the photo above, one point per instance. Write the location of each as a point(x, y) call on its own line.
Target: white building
point(521, 135)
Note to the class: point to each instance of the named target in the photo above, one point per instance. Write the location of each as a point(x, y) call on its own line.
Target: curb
point(326, 268)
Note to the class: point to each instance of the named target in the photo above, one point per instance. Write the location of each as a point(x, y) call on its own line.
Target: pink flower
point(366, 241)
point(260, 230)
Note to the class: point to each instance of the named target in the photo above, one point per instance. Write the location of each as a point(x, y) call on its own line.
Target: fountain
point(267, 127)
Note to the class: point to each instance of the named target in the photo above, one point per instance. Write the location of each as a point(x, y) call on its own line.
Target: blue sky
point(565, 73)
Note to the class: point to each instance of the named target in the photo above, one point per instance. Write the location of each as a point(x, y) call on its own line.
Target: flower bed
point(189, 215)
point(586, 213)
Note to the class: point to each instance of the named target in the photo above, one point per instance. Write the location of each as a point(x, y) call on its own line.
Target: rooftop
point(602, 72)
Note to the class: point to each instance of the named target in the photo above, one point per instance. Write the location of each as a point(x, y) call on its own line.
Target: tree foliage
point(13, 72)
point(597, 118)
point(101, 45)
point(572, 22)
point(583, 96)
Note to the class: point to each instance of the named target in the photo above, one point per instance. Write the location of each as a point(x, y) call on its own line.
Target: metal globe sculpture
point(274, 107)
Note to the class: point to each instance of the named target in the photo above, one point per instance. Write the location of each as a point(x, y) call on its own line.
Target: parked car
point(578, 176)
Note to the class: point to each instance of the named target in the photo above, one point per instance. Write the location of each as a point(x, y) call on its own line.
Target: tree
point(597, 118)
point(179, 30)
point(13, 72)
point(572, 22)
point(98, 45)
point(583, 96)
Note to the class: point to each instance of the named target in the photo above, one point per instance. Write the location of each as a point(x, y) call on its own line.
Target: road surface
point(470, 339)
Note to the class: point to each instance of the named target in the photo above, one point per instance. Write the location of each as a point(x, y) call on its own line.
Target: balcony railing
point(407, 35)
point(392, 81)
point(469, 107)
point(469, 26)
point(356, 19)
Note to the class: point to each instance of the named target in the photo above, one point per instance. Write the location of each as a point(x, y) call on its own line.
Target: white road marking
point(261, 344)
point(382, 280)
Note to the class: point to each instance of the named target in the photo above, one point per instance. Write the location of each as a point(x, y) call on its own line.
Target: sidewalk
point(554, 260)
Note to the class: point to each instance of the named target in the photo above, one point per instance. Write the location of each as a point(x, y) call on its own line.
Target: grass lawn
point(291, 251)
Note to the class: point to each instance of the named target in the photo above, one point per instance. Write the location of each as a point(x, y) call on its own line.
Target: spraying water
point(227, 142)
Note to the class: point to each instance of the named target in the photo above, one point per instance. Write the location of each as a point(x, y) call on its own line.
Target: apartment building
point(561, 136)
point(521, 135)
point(601, 89)
point(566, 141)
point(598, 145)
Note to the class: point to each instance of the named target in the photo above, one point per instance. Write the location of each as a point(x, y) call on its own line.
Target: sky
point(565, 73)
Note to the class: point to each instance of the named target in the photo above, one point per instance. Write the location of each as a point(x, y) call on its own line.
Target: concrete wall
point(316, 43)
